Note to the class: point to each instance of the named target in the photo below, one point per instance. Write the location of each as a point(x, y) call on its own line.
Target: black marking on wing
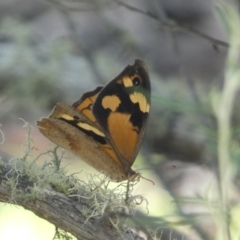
point(89, 133)
point(126, 106)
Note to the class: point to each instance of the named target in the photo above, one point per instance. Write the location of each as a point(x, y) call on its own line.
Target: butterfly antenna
point(148, 180)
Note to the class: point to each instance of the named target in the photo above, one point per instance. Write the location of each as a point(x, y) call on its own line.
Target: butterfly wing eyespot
point(136, 81)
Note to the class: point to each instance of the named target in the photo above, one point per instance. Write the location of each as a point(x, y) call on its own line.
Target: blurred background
point(54, 51)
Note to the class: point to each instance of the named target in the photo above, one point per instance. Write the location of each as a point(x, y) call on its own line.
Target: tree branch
point(171, 25)
point(19, 187)
point(174, 26)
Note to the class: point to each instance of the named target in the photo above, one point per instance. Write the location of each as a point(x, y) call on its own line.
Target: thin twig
point(174, 26)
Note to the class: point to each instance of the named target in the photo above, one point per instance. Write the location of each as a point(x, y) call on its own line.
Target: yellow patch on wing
point(67, 117)
point(112, 102)
point(84, 104)
point(123, 134)
point(90, 128)
point(139, 98)
point(127, 82)
point(85, 107)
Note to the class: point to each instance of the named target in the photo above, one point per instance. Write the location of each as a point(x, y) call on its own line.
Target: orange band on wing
point(123, 134)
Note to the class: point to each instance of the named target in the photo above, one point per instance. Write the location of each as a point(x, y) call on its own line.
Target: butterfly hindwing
point(73, 131)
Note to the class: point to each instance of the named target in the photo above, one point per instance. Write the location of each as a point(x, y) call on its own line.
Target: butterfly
point(105, 127)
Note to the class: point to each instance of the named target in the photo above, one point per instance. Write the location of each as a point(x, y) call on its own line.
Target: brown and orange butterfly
point(106, 126)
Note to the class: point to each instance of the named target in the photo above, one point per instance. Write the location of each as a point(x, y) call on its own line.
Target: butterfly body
point(106, 126)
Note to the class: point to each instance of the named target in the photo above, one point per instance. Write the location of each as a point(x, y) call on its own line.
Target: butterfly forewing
point(63, 129)
point(122, 108)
